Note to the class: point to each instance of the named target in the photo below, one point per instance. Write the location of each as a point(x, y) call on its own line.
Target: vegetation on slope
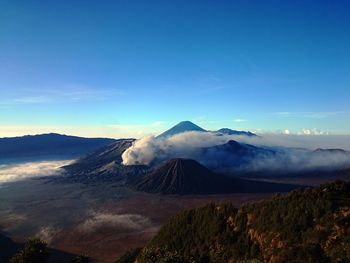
point(36, 251)
point(307, 225)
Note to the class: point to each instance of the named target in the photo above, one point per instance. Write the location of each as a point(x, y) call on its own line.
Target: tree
point(80, 259)
point(34, 251)
point(130, 256)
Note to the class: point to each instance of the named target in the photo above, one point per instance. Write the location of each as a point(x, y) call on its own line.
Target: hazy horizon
point(138, 131)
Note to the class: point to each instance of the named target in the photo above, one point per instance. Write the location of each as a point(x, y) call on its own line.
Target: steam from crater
point(184, 145)
point(151, 150)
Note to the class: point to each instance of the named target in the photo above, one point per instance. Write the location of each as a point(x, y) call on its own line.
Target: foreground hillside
point(311, 225)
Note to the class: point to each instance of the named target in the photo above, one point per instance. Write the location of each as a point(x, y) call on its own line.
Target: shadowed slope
point(103, 165)
point(185, 176)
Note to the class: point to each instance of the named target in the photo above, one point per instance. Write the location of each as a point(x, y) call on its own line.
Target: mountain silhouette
point(49, 145)
point(181, 127)
point(234, 154)
point(228, 131)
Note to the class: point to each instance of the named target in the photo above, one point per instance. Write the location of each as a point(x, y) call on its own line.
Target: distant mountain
point(332, 151)
point(234, 154)
point(240, 149)
point(186, 126)
point(236, 147)
point(104, 164)
point(186, 176)
point(49, 145)
point(181, 127)
point(307, 225)
point(228, 131)
point(244, 158)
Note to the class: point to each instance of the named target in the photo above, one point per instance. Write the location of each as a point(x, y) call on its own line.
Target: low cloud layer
point(151, 150)
point(307, 141)
point(122, 221)
point(15, 172)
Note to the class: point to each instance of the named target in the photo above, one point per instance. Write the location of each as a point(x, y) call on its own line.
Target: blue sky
point(128, 68)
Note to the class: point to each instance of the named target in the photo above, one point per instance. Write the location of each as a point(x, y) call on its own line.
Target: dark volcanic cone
point(185, 176)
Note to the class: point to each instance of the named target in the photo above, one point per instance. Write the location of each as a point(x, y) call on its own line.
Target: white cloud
point(57, 94)
point(149, 149)
point(309, 114)
point(300, 140)
point(286, 131)
point(304, 131)
point(31, 100)
point(313, 131)
point(124, 221)
point(15, 172)
point(283, 113)
point(321, 115)
point(239, 120)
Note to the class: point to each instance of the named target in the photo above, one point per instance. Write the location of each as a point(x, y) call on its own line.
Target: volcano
point(186, 176)
point(105, 164)
point(181, 127)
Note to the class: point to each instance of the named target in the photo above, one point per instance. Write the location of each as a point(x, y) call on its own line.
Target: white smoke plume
point(150, 150)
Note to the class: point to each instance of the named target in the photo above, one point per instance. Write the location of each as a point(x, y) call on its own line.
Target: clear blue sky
point(119, 68)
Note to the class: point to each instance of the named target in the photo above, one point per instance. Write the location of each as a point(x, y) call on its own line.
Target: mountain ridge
point(49, 144)
point(229, 131)
point(186, 126)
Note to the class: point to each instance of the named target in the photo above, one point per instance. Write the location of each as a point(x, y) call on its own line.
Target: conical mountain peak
point(181, 127)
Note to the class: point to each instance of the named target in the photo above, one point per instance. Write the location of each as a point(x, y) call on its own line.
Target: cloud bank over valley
point(22, 171)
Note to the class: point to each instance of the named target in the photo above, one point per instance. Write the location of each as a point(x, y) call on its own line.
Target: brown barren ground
point(102, 221)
